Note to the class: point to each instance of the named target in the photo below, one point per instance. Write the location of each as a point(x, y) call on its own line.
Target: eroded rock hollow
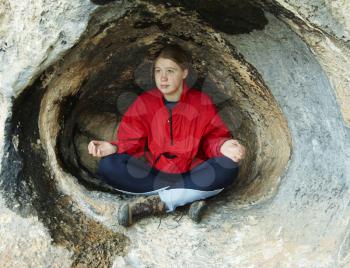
point(269, 89)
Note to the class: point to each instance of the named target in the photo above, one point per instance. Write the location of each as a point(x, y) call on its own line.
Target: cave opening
point(86, 93)
point(111, 66)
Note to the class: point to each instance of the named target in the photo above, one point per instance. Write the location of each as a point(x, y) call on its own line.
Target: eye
point(170, 71)
point(157, 71)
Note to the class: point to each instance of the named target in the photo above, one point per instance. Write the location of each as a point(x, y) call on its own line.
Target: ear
point(185, 74)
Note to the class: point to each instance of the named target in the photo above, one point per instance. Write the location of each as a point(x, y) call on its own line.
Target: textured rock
point(32, 37)
point(26, 242)
point(324, 26)
point(329, 16)
point(289, 85)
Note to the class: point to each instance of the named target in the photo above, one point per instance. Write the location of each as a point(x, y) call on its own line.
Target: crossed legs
point(133, 176)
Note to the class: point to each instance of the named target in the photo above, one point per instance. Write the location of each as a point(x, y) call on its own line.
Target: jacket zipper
point(170, 122)
point(171, 127)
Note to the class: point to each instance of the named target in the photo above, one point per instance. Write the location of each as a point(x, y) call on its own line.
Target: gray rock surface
point(330, 16)
point(304, 61)
point(32, 36)
point(26, 242)
point(324, 27)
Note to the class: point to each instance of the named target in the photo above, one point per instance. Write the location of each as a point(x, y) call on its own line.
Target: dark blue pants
point(131, 175)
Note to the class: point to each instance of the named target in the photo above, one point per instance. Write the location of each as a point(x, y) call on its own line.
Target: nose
point(163, 77)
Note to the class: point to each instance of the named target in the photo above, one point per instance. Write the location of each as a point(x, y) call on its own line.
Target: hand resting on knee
point(101, 148)
point(233, 150)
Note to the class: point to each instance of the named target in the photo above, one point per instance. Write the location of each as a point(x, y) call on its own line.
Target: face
point(169, 77)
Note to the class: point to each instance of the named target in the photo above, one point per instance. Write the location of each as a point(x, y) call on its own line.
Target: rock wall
point(33, 36)
point(324, 27)
point(280, 80)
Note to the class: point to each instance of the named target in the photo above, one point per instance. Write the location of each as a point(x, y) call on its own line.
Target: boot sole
point(196, 210)
point(124, 215)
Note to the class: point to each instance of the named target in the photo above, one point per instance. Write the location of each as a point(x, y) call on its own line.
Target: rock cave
point(277, 72)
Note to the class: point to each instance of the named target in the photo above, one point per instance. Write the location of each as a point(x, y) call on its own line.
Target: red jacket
point(174, 141)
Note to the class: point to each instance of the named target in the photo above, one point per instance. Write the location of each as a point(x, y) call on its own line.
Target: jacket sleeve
point(132, 131)
point(216, 132)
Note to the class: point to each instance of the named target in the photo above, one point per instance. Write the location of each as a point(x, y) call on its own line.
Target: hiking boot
point(196, 210)
point(142, 207)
